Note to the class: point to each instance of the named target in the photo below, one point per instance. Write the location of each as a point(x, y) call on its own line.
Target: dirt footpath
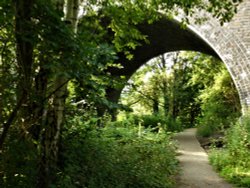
point(196, 171)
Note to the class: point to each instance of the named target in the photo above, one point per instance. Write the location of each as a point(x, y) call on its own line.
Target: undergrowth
point(216, 118)
point(233, 161)
point(155, 122)
point(117, 156)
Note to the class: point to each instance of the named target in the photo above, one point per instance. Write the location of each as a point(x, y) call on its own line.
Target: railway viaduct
point(230, 42)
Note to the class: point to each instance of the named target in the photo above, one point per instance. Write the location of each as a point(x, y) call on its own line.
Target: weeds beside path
point(196, 171)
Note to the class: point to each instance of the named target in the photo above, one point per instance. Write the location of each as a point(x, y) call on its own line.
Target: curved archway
point(228, 42)
point(232, 44)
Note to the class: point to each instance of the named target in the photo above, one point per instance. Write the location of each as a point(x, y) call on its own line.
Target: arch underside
point(163, 36)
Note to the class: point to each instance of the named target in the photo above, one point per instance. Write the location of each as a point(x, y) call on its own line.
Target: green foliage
point(158, 122)
point(233, 161)
point(126, 15)
point(19, 161)
point(165, 83)
point(155, 122)
point(218, 96)
point(8, 67)
point(116, 156)
point(215, 119)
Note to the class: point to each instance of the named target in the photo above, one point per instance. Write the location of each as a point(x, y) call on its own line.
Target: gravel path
point(196, 171)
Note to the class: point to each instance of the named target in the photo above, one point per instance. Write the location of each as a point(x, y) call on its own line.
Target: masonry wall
point(232, 43)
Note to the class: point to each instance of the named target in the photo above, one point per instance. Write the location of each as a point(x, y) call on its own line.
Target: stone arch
point(230, 43)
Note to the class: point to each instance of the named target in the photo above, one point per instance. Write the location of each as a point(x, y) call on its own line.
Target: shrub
point(233, 162)
point(118, 157)
point(205, 130)
point(155, 122)
point(215, 118)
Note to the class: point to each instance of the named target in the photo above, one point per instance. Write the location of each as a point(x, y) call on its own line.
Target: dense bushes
point(220, 111)
point(167, 123)
point(121, 155)
point(233, 162)
point(216, 118)
point(220, 104)
point(155, 122)
point(117, 156)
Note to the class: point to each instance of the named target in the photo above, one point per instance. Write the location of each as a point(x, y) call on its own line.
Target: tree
point(44, 63)
point(219, 100)
point(187, 86)
point(55, 114)
point(169, 88)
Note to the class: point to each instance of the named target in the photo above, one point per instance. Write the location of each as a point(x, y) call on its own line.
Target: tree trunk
point(54, 115)
point(155, 106)
point(112, 95)
point(53, 124)
point(24, 52)
point(165, 86)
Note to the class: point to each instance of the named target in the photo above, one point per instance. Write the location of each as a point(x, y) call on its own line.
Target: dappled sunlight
point(193, 156)
point(203, 154)
point(196, 171)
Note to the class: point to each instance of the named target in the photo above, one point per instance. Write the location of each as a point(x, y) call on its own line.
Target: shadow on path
point(196, 171)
